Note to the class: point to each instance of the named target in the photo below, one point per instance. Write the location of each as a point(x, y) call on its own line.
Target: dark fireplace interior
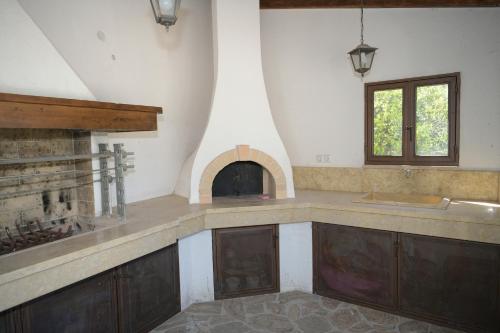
point(239, 178)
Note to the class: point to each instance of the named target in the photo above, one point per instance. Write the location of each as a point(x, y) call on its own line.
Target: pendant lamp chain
point(362, 23)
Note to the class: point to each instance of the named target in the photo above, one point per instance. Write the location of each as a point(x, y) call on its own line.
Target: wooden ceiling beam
point(276, 4)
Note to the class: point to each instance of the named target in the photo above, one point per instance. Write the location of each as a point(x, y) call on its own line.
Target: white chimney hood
point(240, 126)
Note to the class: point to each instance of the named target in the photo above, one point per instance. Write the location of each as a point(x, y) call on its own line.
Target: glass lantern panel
point(431, 135)
point(355, 58)
point(367, 59)
point(167, 7)
point(388, 122)
point(364, 60)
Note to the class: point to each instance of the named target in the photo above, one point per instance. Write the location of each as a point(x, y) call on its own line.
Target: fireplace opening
point(239, 178)
point(272, 177)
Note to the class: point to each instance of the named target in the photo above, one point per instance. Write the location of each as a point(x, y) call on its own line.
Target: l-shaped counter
point(156, 223)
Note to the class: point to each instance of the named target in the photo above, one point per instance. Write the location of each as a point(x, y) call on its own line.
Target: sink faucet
point(407, 172)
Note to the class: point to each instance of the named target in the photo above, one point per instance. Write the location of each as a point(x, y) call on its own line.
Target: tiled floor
point(289, 312)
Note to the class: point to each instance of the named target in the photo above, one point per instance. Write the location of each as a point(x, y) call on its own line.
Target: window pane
point(388, 122)
point(432, 121)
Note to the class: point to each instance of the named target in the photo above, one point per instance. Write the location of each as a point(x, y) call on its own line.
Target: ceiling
point(274, 4)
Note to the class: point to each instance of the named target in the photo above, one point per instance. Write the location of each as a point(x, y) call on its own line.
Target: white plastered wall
point(296, 260)
point(29, 64)
point(196, 268)
point(318, 101)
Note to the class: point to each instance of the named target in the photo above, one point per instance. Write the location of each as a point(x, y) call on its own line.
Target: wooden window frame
point(409, 87)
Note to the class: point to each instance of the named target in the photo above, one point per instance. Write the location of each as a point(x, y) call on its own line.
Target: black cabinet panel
point(148, 290)
point(450, 280)
point(10, 321)
point(355, 264)
point(86, 306)
point(246, 261)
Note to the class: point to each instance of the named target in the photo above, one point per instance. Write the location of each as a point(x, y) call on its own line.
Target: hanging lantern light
point(362, 56)
point(165, 11)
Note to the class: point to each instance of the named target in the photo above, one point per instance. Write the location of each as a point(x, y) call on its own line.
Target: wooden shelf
point(24, 111)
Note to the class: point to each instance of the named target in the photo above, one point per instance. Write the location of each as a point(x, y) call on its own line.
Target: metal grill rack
point(37, 232)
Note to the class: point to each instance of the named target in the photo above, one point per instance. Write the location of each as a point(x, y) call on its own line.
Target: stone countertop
point(156, 223)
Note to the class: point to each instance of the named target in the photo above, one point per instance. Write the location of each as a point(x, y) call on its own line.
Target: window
point(413, 121)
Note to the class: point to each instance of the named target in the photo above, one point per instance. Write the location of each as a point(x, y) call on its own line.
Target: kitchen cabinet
point(355, 264)
point(148, 290)
point(450, 280)
point(246, 261)
point(87, 306)
point(134, 297)
point(10, 321)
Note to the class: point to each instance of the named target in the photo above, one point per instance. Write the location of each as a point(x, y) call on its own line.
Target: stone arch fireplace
point(275, 180)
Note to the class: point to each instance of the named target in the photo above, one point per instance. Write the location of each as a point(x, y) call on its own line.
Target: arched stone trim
point(241, 153)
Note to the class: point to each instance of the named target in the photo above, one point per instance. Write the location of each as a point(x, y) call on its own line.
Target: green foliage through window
point(388, 122)
point(432, 120)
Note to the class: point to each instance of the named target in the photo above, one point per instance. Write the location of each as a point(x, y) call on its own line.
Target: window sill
point(412, 167)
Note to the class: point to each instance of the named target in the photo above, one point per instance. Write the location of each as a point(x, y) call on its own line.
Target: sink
point(406, 200)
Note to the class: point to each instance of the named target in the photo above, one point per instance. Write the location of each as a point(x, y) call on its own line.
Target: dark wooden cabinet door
point(10, 321)
point(450, 280)
point(148, 290)
point(87, 306)
point(355, 264)
point(246, 261)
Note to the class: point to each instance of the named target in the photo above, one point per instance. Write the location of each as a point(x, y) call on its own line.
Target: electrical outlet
point(323, 158)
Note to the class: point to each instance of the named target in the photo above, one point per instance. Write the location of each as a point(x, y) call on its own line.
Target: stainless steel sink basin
point(406, 200)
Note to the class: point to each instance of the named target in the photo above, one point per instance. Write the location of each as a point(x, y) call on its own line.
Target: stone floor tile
point(378, 317)
point(234, 307)
point(330, 304)
point(315, 324)
point(186, 329)
point(344, 319)
point(217, 320)
point(383, 330)
point(360, 327)
point(313, 308)
point(181, 318)
point(260, 298)
point(413, 326)
point(255, 308)
point(201, 317)
point(271, 323)
point(439, 329)
point(208, 308)
point(231, 327)
point(294, 312)
point(276, 308)
point(295, 295)
point(291, 312)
